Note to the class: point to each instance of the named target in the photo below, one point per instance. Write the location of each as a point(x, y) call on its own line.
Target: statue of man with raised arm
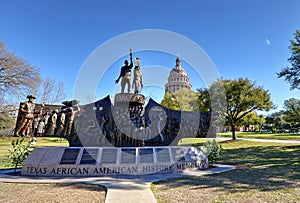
point(125, 74)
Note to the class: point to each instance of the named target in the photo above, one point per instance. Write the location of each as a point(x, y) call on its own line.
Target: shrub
point(20, 151)
point(214, 151)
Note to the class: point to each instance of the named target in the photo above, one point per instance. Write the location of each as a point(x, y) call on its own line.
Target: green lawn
point(191, 141)
point(279, 136)
point(5, 144)
point(266, 172)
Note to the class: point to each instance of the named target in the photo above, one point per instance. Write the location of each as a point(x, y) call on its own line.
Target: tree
point(170, 102)
point(203, 99)
point(20, 151)
point(242, 98)
point(52, 91)
point(276, 120)
point(183, 100)
point(252, 119)
point(292, 111)
point(17, 77)
point(292, 74)
point(214, 152)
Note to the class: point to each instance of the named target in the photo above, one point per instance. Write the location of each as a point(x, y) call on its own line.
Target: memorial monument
point(126, 136)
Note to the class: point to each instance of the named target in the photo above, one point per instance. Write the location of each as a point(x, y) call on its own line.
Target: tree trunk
point(233, 131)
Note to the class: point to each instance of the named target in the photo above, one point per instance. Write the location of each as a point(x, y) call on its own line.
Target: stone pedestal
point(128, 113)
point(110, 161)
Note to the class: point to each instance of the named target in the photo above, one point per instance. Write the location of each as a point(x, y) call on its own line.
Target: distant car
point(266, 131)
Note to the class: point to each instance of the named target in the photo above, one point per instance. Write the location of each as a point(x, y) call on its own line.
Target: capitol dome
point(177, 79)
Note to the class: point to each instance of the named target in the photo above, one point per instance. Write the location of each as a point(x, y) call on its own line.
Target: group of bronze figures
point(124, 123)
point(127, 122)
point(55, 121)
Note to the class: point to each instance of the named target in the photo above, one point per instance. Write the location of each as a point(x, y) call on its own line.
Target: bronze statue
point(125, 74)
point(60, 123)
point(27, 115)
point(71, 110)
point(51, 126)
point(40, 128)
point(138, 77)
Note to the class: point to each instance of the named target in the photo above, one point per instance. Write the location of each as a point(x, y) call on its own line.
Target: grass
point(279, 136)
point(63, 193)
point(266, 172)
point(191, 141)
point(5, 144)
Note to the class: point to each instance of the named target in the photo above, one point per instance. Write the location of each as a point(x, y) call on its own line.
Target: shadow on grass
point(80, 186)
point(52, 192)
point(55, 139)
point(83, 186)
point(263, 168)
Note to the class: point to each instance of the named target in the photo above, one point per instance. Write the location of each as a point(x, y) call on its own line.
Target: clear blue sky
point(243, 38)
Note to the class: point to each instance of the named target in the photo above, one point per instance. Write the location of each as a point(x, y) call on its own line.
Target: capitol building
point(177, 79)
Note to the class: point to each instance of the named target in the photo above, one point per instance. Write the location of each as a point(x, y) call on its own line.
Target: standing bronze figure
point(27, 116)
point(138, 77)
point(125, 74)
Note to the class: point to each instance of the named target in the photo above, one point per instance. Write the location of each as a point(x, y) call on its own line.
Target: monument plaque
point(178, 154)
point(162, 154)
point(128, 156)
point(146, 155)
point(109, 156)
point(69, 156)
point(63, 161)
point(89, 156)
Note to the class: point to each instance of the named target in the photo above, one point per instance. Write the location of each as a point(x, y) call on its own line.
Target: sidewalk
point(122, 188)
point(272, 140)
point(262, 140)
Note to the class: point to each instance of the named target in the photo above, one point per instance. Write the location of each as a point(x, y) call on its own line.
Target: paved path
point(122, 188)
point(262, 140)
point(272, 140)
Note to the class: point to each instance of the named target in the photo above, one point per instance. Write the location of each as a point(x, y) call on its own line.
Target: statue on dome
point(125, 74)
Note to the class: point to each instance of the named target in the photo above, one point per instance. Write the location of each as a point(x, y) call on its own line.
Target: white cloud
point(268, 42)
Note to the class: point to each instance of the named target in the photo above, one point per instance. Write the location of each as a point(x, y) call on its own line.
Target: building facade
point(177, 79)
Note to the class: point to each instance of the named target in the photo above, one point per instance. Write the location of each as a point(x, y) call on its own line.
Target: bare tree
point(17, 77)
point(52, 92)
